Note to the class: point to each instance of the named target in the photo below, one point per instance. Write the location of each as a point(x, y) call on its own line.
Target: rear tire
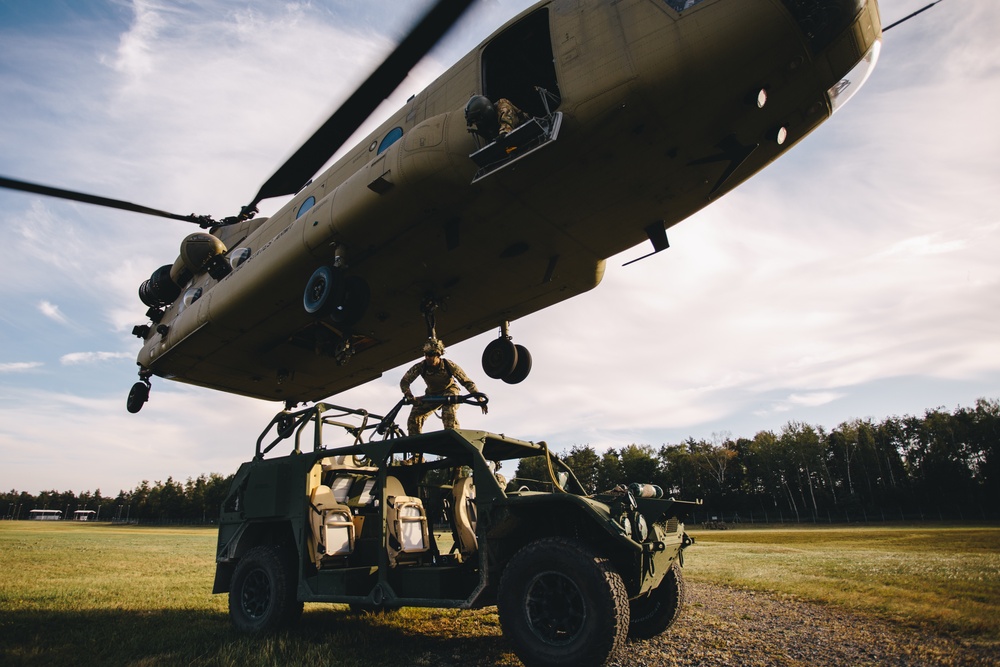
point(561, 605)
point(262, 595)
point(656, 611)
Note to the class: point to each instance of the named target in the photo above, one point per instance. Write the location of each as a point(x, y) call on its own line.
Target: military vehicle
point(379, 520)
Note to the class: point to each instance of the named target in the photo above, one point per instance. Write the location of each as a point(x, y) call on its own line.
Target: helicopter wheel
point(357, 295)
point(325, 290)
point(500, 358)
point(137, 397)
point(521, 367)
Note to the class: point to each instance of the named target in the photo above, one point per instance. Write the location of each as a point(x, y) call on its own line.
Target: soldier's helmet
point(481, 117)
point(434, 346)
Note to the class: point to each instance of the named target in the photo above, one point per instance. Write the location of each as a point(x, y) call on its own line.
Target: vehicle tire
point(262, 595)
point(561, 605)
point(656, 611)
point(325, 290)
point(521, 368)
point(499, 358)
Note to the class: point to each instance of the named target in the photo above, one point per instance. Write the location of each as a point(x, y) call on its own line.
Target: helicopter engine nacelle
point(160, 289)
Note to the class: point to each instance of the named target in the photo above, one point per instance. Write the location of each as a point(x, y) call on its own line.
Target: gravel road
point(725, 626)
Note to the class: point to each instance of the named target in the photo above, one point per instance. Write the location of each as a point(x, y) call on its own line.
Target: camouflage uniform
point(440, 381)
point(509, 115)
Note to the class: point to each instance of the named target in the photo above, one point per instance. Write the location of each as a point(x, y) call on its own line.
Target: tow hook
point(686, 541)
point(653, 547)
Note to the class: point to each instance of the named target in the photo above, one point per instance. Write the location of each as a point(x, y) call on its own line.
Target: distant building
point(45, 515)
point(84, 515)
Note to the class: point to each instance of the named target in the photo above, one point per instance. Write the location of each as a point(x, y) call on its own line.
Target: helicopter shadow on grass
point(326, 635)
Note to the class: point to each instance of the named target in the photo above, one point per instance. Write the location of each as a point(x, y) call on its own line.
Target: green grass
point(937, 578)
point(94, 594)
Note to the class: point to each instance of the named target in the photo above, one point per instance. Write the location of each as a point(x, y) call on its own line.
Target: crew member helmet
point(434, 346)
point(481, 117)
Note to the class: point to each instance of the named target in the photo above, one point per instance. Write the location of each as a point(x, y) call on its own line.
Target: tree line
point(196, 500)
point(941, 465)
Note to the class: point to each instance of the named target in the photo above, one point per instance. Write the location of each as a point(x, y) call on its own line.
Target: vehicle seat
point(341, 486)
point(332, 525)
point(464, 504)
point(406, 519)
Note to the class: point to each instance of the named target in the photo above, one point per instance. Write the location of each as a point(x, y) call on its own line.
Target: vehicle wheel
point(262, 595)
point(324, 291)
point(521, 368)
point(560, 604)
point(499, 358)
point(656, 611)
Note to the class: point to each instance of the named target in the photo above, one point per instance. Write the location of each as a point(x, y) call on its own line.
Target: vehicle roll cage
point(371, 427)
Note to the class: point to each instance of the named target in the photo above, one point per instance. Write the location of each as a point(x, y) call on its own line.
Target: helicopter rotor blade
point(49, 191)
point(310, 157)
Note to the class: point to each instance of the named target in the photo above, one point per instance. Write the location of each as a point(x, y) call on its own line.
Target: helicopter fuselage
point(662, 106)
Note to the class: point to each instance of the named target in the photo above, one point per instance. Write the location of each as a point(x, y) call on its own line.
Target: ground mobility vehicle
point(387, 521)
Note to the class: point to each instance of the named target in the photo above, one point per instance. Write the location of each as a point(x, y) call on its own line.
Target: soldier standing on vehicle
point(440, 376)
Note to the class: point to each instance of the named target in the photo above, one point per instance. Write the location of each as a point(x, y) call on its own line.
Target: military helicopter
point(577, 130)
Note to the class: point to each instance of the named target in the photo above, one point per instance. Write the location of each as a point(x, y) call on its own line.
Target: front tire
point(656, 611)
point(262, 595)
point(561, 605)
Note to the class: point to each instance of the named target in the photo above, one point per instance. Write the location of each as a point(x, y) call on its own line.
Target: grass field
point(95, 594)
point(939, 578)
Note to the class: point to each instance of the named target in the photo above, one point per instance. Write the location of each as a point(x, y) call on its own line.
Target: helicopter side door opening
point(516, 114)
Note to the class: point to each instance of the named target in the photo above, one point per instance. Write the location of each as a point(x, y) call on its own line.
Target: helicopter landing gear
point(139, 394)
point(503, 360)
point(331, 293)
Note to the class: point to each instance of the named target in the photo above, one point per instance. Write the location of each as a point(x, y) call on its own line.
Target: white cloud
point(20, 366)
point(74, 358)
point(51, 311)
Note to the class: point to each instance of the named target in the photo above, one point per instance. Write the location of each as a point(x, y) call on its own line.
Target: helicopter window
point(190, 297)
point(306, 205)
point(518, 62)
point(238, 256)
point(391, 138)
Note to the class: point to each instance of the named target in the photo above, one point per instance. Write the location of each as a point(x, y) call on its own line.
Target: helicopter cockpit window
point(391, 138)
point(306, 205)
point(681, 5)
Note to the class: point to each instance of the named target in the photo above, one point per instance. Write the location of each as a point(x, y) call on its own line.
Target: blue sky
point(855, 277)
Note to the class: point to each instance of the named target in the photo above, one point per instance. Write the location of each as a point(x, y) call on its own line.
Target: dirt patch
point(726, 626)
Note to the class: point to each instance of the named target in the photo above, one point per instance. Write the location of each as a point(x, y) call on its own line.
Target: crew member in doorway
point(509, 116)
point(440, 376)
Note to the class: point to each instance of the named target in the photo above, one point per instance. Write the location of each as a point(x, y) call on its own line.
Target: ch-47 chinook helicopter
point(635, 115)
